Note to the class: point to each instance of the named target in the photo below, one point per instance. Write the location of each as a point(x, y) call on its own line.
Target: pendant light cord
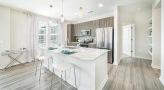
point(62, 7)
point(50, 10)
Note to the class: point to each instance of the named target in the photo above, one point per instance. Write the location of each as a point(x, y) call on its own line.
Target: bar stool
point(63, 67)
point(42, 58)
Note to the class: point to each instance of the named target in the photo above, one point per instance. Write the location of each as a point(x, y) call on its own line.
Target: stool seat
point(43, 57)
point(63, 66)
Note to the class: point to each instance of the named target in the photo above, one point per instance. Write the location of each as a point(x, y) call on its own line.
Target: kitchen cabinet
point(75, 29)
point(92, 45)
point(73, 43)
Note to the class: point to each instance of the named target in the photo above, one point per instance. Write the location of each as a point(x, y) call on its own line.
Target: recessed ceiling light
point(100, 4)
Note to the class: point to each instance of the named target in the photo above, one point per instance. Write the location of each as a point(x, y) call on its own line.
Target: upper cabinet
point(75, 29)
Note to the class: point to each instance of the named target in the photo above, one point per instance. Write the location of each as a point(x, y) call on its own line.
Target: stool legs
point(40, 70)
point(61, 81)
point(52, 79)
point(65, 76)
point(75, 77)
point(36, 67)
point(48, 64)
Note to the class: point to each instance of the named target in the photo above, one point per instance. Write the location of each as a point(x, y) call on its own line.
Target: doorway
point(128, 40)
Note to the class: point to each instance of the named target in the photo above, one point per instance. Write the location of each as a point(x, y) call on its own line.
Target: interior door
point(126, 40)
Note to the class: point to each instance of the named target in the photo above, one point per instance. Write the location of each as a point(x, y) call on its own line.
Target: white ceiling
point(72, 6)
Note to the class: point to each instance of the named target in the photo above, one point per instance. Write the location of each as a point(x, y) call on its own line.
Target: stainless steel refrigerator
point(105, 40)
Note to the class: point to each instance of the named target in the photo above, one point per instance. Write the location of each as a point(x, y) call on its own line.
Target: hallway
point(133, 74)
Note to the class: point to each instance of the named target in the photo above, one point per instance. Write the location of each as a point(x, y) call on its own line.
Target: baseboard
point(117, 62)
point(103, 83)
point(161, 79)
point(155, 66)
point(143, 57)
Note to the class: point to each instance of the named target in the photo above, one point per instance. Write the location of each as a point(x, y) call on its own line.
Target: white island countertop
point(87, 54)
point(90, 65)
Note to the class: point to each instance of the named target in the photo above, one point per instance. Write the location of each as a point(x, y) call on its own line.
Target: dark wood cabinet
point(74, 30)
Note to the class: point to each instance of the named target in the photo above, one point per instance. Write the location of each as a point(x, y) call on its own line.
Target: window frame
point(48, 41)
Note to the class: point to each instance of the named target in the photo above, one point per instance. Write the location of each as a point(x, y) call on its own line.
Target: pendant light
point(62, 16)
point(50, 21)
point(81, 12)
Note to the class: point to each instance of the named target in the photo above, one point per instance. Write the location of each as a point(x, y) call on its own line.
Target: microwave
point(85, 32)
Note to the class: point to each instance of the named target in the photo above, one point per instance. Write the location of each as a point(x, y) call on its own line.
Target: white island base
point(91, 72)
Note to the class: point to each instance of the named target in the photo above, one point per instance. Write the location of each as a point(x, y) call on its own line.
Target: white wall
point(156, 39)
point(116, 36)
point(4, 34)
point(64, 33)
point(141, 36)
point(18, 32)
point(162, 42)
point(94, 18)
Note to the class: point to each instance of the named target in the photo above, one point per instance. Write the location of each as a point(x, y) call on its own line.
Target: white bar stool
point(42, 58)
point(62, 67)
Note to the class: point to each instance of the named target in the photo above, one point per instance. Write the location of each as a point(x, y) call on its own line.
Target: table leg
point(9, 64)
point(13, 60)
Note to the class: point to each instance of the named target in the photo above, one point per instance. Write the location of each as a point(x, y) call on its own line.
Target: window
point(42, 33)
point(48, 34)
point(54, 33)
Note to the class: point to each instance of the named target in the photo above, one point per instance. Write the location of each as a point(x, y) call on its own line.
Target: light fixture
point(50, 21)
point(62, 16)
point(100, 4)
point(81, 12)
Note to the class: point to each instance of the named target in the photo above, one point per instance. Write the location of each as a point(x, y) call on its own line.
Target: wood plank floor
point(21, 77)
point(133, 74)
point(130, 74)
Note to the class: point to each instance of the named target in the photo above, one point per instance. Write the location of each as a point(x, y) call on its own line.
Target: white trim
point(155, 66)
point(161, 79)
point(103, 83)
point(117, 61)
point(142, 57)
point(133, 41)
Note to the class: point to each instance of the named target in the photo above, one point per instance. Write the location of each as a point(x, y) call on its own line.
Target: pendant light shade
point(81, 12)
point(62, 18)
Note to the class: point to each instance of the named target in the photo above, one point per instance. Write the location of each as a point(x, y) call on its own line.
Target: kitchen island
point(90, 65)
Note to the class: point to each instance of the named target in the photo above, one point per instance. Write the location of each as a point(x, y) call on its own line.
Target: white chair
point(63, 67)
point(42, 58)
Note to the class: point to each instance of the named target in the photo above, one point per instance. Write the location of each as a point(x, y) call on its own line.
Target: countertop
point(87, 54)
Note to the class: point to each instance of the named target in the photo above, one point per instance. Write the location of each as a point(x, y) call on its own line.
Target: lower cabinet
point(92, 45)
